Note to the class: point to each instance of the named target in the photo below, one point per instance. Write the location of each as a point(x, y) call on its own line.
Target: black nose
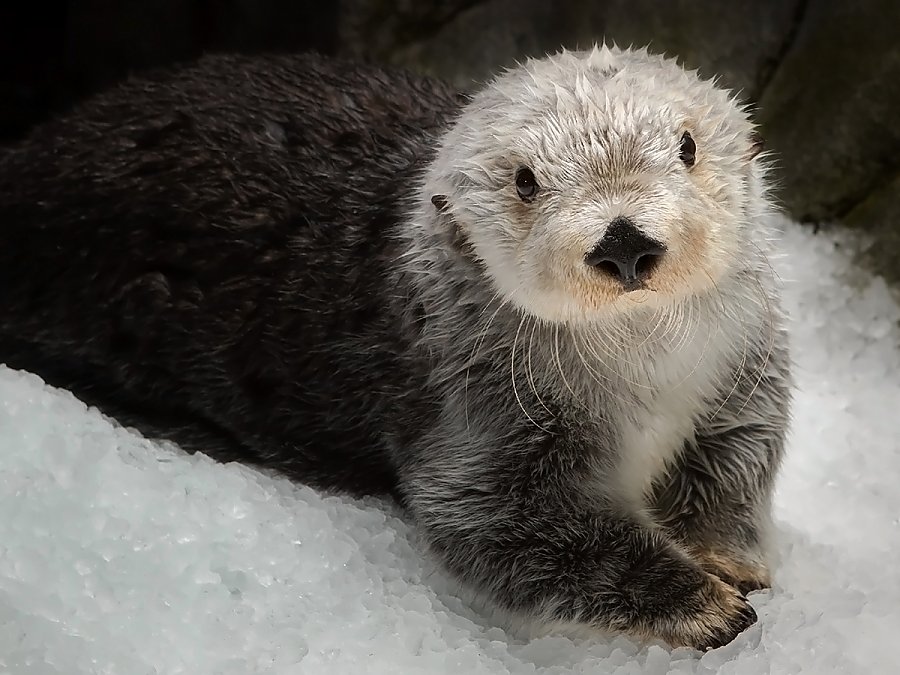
point(626, 253)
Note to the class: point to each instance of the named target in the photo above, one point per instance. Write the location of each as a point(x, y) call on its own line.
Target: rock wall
point(823, 75)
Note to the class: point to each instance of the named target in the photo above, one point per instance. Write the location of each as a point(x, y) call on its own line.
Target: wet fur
point(294, 262)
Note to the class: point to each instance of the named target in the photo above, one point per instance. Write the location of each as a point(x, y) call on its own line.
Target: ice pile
point(121, 556)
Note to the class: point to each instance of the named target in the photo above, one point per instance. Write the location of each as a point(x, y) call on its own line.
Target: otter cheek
point(696, 259)
point(538, 271)
point(544, 283)
point(498, 256)
point(684, 269)
point(721, 247)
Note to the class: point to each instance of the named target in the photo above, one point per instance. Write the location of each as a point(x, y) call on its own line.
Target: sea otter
point(540, 316)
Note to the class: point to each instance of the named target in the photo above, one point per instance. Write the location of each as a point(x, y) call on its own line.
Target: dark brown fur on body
point(217, 255)
point(174, 222)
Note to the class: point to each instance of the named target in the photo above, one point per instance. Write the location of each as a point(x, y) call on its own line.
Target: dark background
point(823, 75)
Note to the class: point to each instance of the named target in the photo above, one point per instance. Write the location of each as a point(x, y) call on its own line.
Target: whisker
point(705, 349)
point(739, 375)
point(770, 347)
point(529, 371)
point(594, 373)
point(617, 359)
point(512, 370)
point(559, 365)
point(479, 340)
point(685, 324)
point(661, 314)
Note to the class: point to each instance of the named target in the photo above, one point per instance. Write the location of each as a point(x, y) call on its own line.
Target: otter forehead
point(600, 110)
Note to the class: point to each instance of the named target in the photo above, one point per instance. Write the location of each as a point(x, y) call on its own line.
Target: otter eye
point(526, 185)
point(688, 153)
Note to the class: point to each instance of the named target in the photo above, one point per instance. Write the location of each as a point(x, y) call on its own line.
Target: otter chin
point(540, 316)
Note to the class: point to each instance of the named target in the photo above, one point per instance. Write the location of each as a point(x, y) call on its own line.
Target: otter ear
point(456, 236)
point(439, 201)
point(757, 144)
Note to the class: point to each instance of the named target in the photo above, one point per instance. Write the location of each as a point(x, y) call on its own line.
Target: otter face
point(602, 181)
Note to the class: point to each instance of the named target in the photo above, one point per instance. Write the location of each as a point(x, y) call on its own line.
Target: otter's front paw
point(715, 615)
point(745, 575)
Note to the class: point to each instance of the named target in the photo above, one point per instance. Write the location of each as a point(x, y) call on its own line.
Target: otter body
point(540, 318)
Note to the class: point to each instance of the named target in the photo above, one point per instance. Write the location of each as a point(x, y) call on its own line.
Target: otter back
point(190, 249)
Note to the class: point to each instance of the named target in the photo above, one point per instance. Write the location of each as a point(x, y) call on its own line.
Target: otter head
point(600, 181)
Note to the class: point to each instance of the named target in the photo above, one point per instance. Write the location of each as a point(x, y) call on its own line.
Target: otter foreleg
point(517, 522)
point(717, 501)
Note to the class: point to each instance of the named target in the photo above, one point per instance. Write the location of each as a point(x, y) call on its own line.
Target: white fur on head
point(601, 132)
